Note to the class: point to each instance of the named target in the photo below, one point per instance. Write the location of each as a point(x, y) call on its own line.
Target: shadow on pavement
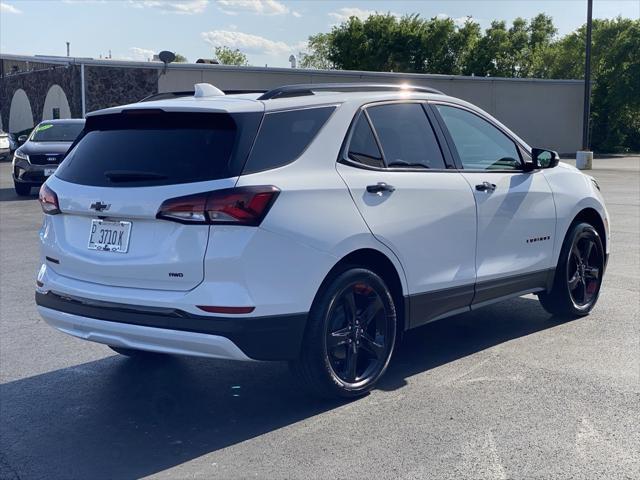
point(9, 194)
point(122, 418)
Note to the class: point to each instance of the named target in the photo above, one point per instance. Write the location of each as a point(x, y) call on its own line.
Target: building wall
point(112, 86)
point(36, 85)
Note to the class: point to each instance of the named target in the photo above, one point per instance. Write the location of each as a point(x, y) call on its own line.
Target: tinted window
point(480, 145)
point(406, 136)
point(283, 136)
point(128, 150)
point(363, 147)
point(57, 132)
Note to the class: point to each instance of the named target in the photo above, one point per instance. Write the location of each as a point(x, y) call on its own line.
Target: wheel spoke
point(576, 253)
point(583, 290)
point(375, 305)
point(374, 348)
point(573, 281)
point(349, 302)
point(587, 252)
point(352, 363)
point(338, 338)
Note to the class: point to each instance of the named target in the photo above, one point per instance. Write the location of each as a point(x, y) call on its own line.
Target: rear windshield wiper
point(132, 176)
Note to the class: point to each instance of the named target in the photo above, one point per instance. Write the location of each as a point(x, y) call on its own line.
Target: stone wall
point(111, 86)
point(36, 85)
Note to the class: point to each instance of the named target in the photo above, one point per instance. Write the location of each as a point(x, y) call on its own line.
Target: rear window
point(145, 148)
point(57, 132)
point(284, 136)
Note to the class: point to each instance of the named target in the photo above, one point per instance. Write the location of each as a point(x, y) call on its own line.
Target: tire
point(132, 353)
point(22, 189)
point(578, 276)
point(350, 336)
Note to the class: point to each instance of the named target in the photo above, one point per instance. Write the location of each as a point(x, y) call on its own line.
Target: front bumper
point(174, 331)
point(25, 172)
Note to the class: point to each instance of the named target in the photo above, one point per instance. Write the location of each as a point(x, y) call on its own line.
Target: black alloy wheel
point(350, 335)
point(578, 275)
point(584, 270)
point(359, 334)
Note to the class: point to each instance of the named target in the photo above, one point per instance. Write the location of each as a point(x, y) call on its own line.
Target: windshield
point(57, 132)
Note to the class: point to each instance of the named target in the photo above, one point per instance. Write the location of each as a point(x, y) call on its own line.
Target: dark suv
point(42, 152)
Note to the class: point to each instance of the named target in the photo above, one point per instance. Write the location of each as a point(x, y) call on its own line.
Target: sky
point(267, 31)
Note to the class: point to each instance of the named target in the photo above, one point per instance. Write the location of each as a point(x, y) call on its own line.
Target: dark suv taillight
point(48, 200)
point(230, 206)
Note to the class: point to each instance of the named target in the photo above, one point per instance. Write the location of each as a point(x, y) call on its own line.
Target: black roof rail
point(308, 89)
point(190, 93)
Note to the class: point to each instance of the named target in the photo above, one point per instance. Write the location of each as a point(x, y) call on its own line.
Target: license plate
point(109, 236)
point(49, 171)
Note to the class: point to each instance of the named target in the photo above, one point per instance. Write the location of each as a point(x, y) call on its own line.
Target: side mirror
point(22, 139)
point(543, 158)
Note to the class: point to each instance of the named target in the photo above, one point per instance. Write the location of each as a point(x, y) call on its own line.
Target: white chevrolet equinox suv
point(311, 223)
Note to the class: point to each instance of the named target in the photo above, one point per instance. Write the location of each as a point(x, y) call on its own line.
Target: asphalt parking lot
point(503, 392)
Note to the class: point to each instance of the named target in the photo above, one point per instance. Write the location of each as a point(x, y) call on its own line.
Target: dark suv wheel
point(578, 276)
point(350, 336)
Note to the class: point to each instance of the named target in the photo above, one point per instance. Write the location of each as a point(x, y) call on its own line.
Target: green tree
point(615, 73)
point(228, 56)
point(317, 55)
point(180, 58)
point(491, 54)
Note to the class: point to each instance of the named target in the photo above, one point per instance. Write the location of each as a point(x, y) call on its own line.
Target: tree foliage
point(229, 56)
point(180, 58)
point(318, 54)
point(384, 42)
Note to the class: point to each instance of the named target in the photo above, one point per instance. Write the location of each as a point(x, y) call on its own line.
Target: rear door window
point(406, 136)
point(284, 136)
point(147, 148)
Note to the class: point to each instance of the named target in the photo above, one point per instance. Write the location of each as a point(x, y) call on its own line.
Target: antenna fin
point(206, 90)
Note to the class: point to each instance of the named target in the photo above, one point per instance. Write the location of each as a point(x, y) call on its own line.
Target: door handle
point(380, 187)
point(486, 187)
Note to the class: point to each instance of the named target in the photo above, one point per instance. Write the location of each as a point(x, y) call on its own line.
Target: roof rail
point(309, 88)
point(191, 93)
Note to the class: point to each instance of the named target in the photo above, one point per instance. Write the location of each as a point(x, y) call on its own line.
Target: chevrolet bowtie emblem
point(100, 207)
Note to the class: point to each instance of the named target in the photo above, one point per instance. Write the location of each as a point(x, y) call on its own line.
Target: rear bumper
point(174, 331)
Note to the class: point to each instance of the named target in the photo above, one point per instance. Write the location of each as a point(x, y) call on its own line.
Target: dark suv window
point(363, 147)
point(144, 148)
point(283, 136)
point(406, 136)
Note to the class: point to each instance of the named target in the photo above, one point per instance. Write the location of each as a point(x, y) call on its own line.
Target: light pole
point(584, 158)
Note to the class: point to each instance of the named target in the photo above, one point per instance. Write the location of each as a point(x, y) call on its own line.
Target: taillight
point(48, 200)
point(231, 206)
